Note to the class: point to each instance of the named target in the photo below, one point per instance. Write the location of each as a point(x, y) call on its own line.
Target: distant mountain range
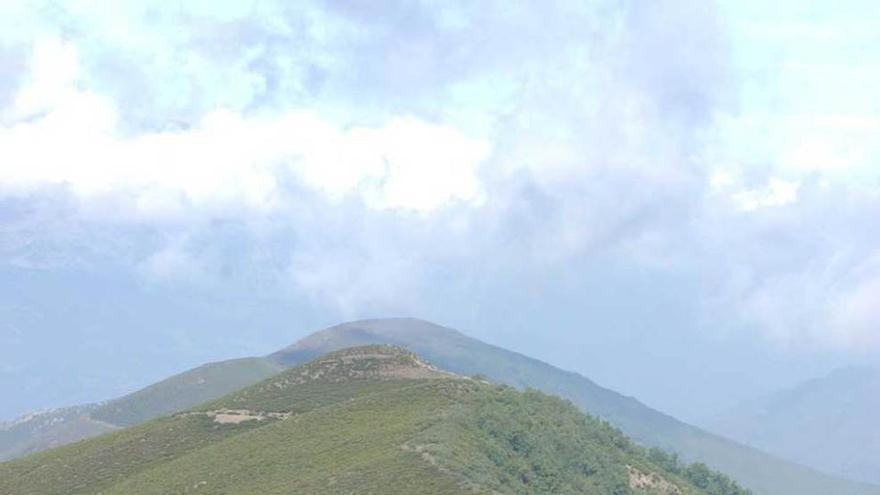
point(829, 423)
point(370, 419)
point(453, 351)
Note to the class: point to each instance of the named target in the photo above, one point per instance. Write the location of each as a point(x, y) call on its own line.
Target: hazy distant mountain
point(117, 333)
point(459, 353)
point(49, 429)
point(829, 423)
point(373, 419)
point(40, 431)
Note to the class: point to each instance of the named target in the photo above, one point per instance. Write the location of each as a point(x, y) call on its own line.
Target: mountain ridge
point(838, 409)
point(459, 353)
point(453, 350)
point(368, 419)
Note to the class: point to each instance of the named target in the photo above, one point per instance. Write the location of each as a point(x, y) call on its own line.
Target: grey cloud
point(679, 54)
point(784, 270)
point(598, 228)
point(580, 88)
point(400, 56)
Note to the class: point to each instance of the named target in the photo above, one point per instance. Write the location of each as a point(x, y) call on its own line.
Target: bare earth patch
point(651, 481)
point(236, 416)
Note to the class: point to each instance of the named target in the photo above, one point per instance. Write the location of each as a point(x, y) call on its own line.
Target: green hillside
point(452, 350)
point(368, 420)
point(40, 431)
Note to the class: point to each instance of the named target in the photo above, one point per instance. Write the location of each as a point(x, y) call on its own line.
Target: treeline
point(698, 474)
point(533, 444)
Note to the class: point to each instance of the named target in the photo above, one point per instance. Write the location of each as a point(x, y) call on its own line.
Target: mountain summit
point(371, 419)
point(455, 352)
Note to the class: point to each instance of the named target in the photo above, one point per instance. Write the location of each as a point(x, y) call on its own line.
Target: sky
point(679, 199)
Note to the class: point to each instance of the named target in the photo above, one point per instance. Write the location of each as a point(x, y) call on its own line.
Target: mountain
point(182, 391)
point(48, 429)
point(454, 351)
point(829, 423)
point(45, 430)
point(374, 419)
point(103, 312)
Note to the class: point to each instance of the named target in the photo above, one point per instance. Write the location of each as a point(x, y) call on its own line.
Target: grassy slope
point(440, 435)
point(456, 352)
point(452, 350)
point(179, 392)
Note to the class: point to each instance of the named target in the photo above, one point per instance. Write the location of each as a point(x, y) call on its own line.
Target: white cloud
point(818, 307)
point(173, 262)
point(54, 72)
point(777, 192)
point(842, 145)
point(727, 182)
point(560, 143)
point(63, 134)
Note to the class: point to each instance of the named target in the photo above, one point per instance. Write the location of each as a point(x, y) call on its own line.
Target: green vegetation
point(177, 393)
point(698, 473)
point(764, 474)
point(456, 352)
point(385, 423)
